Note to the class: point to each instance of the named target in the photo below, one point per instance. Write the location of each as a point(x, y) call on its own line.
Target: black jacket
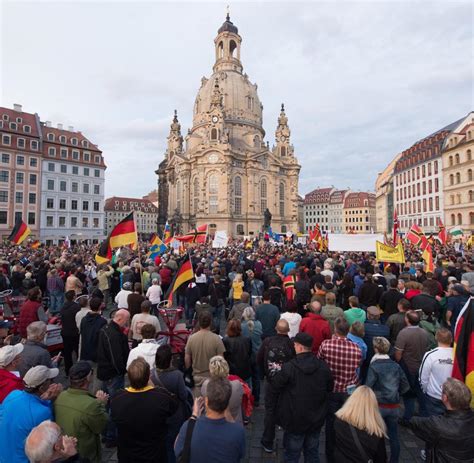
point(389, 301)
point(238, 353)
point(91, 325)
point(304, 384)
point(428, 304)
point(112, 352)
point(273, 353)
point(68, 319)
point(449, 434)
point(369, 293)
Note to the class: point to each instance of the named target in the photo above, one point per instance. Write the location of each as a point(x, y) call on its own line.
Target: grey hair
point(35, 331)
point(248, 315)
point(39, 445)
point(218, 367)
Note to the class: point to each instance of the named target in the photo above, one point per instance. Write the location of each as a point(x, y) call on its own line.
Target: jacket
point(388, 381)
point(68, 319)
point(112, 352)
point(103, 278)
point(304, 384)
point(34, 354)
point(374, 328)
point(449, 435)
point(82, 416)
point(238, 353)
point(146, 349)
point(427, 303)
point(8, 383)
point(28, 314)
point(317, 327)
point(369, 293)
point(389, 301)
point(280, 344)
point(91, 325)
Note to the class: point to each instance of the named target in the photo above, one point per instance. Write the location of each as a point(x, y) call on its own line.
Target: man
point(200, 348)
point(273, 353)
point(316, 326)
point(304, 384)
point(134, 300)
point(154, 294)
point(103, 281)
point(23, 410)
point(449, 435)
point(410, 347)
point(83, 302)
point(121, 299)
point(468, 276)
point(140, 413)
point(389, 300)
point(354, 313)
point(81, 415)
point(254, 287)
point(330, 311)
point(73, 283)
point(140, 320)
point(396, 322)
point(426, 302)
point(455, 304)
point(91, 325)
point(218, 291)
point(69, 330)
point(55, 286)
point(268, 315)
point(343, 358)
point(373, 327)
point(239, 307)
point(10, 380)
point(147, 347)
point(213, 438)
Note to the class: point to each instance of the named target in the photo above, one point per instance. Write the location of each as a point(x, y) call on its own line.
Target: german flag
point(20, 232)
point(104, 254)
point(463, 368)
point(184, 274)
point(35, 244)
point(428, 258)
point(125, 232)
point(198, 235)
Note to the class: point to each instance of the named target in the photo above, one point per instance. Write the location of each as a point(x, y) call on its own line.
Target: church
point(223, 173)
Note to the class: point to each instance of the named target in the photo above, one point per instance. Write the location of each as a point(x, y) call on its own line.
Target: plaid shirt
point(343, 358)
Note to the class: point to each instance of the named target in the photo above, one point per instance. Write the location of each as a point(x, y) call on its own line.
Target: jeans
point(56, 301)
point(414, 393)
point(295, 443)
point(336, 401)
point(434, 406)
point(390, 416)
point(269, 421)
point(111, 387)
point(218, 317)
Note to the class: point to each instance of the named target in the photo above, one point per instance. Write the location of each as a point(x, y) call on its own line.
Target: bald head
point(282, 326)
point(122, 317)
point(315, 306)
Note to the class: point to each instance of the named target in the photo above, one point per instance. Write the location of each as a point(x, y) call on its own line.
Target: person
point(273, 353)
point(237, 289)
point(31, 311)
point(73, 283)
point(140, 413)
point(55, 286)
point(303, 385)
point(23, 410)
point(238, 351)
point(83, 302)
point(449, 436)
point(134, 300)
point(69, 330)
point(343, 358)
point(370, 292)
point(239, 306)
point(154, 294)
point(121, 299)
point(410, 347)
point(292, 317)
point(455, 304)
point(104, 274)
point(218, 290)
point(224, 441)
point(10, 380)
point(47, 444)
point(389, 382)
point(302, 290)
point(360, 430)
point(166, 376)
point(200, 348)
point(373, 327)
point(396, 322)
point(147, 348)
point(389, 299)
point(140, 320)
point(426, 301)
point(255, 288)
point(268, 315)
point(436, 367)
point(82, 415)
point(330, 311)
point(277, 297)
point(91, 326)
point(316, 326)
point(355, 313)
point(192, 294)
point(356, 335)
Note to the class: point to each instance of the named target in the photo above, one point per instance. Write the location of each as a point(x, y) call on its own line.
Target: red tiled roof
point(27, 119)
point(69, 135)
point(357, 199)
point(337, 197)
point(122, 204)
point(318, 196)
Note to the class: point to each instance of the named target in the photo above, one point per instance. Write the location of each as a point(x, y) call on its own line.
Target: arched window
point(263, 195)
point(451, 179)
point(468, 155)
point(256, 141)
point(282, 199)
point(457, 158)
point(238, 196)
point(283, 151)
point(196, 195)
point(469, 175)
point(452, 199)
point(214, 134)
point(459, 219)
point(232, 48)
point(240, 229)
point(213, 191)
point(178, 196)
point(471, 218)
point(220, 50)
point(453, 219)
point(458, 177)
point(471, 196)
point(451, 161)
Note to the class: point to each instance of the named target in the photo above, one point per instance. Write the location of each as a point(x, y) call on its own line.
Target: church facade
point(223, 173)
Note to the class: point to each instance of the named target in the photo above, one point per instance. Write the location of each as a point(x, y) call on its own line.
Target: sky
point(361, 81)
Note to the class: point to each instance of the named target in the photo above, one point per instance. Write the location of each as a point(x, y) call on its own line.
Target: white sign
point(302, 239)
point(220, 239)
point(358, 242)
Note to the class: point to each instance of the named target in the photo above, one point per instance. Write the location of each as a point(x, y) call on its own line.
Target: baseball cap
point(8, 354)
point(373, 310)
point(304, 339)
point(38, 375)
point(80, 370)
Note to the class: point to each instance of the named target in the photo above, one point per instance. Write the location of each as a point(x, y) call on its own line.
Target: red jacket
point(166, 276)
point(8, 383)
point(28, 314)
point(317, 327)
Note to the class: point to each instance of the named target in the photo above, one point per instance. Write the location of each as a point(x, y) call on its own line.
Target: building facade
point(316, 208)
point(336, 211)
point(359, 212)
point(223, 173)
point(458, 180)
point(146, 214)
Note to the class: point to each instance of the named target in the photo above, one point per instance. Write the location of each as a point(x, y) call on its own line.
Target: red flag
point(442, 233)
point(417, 237)
point(395, 227)
point(198, 235)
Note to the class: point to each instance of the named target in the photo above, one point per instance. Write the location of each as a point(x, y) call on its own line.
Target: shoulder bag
point(361, 450)
point(185, 455)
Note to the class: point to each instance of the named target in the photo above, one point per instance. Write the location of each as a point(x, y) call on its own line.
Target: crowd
point(325, 339)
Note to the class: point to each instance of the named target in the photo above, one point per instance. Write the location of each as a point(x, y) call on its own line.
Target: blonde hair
point(362, 411)
point(238, 277)
point(218, 367)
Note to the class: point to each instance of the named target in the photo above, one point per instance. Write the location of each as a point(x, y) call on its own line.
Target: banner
point(220, 239)
point(359, 242)
point(386, 253)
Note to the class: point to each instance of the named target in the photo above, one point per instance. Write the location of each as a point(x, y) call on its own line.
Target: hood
point(307, 363)
point(147, 348)
point(91, 319)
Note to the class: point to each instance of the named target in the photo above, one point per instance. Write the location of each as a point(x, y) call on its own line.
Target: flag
point(289, 287)
point(395, 227)
point(157, 247)
point(67, 243)
point(442, 234)
point(184, 274)
point(416, 236)
point(428, 258)
point(125, 232)
point(167, 233)
point(35, 244)
point(198, 235)
point(463, 367)
point(20, 232)
point(456, 231)
point(387, 253)
point(104, 254)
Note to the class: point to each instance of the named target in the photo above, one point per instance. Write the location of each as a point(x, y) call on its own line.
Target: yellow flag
point(386, 253)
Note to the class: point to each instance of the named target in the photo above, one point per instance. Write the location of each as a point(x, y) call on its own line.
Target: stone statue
point(267, 219)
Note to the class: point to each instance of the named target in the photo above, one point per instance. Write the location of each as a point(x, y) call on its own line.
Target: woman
point(201, 281)
point(32, 310)
point(389, 382)
point(238, 351)
point(360, 430)
point(302, 290)
point(292, 317)
point(346, 290)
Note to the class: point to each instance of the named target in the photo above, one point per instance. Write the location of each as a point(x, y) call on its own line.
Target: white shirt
point(294, 320)
point(146, 349)
point(141, 319)
point(121, 298)
point(80, 315)
point(154, 294)
point(436, 367)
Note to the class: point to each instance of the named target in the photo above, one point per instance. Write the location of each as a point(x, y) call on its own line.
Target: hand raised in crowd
point(101, 396)
point(52, 392)
point(68, 446)
point(198, 407)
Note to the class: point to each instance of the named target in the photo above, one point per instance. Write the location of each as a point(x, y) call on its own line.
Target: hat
point(36, 376)
point(452, 279)
point(373, 310)
point(8, 354)
point(304, 339)
point(79, 371)
point(127, 286)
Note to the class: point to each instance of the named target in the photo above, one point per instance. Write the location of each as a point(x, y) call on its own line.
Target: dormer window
point(13, 126)
point(50, 136)
point(19, 120)
point(74, 141)
point(85, 143)
point(62, 139)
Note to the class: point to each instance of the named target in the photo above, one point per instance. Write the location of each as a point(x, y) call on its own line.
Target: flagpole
point(139, 253)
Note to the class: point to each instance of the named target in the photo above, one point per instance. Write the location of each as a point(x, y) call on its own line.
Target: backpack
point(277, 355)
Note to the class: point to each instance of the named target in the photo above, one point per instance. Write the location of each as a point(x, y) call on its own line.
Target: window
point(51, 167)
point(459, 219)
point(85, 205)
point(73, 222)
point(213, 191)
point(457, 158)
point(32, 198)
point(62, 221)
point(86, 171)
point(213, 204)
point(238, 195)
point(6, 139)
point(85, 188)
point(50, 136)
point(5, 158)
point(33, 162)
point(62, 204)
point(97, 159)
point(95, 222)
point(49, 203)
point(3, 217)
point(437, 203)
point(63, 168)
point(436, 185)
point(240, 229)
point(97, 189)
point(282, 199)
point(62, 139)
point(20, 142)
point(471, 196)
point(33, 179)
point(75, 187)
point(436, 167)
point(74, 204)
point(4, 176)
point(451, 161)
point(64, 153)
point(49, 221)
point(263, 195)
point(19, 198)
point(75, 170)
point(468, 155)
point(74, 141)
point(451, 179)
point(85, 222)
point(18, 216)
point(86, 156)
point(50, 185)
point(26, 129)
point(97, 173)
point(214, 134)
point(96, 206)
point(3, 196)
point(423, 170)
point(62, 186)
point(458, 177)
point(34, 145)
point(20, 160)
point(52, 152)
point(75, 155)
point(469, 175)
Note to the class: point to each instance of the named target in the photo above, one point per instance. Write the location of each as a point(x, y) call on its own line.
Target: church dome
point(228, 26)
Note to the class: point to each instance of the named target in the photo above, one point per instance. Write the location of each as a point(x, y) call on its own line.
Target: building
point(359, 212)
point(20, 169)
point(224, 174)
point(458, 180)
point(301, 227)
point(146, 214)
point(316, 208)
point(336, 211)
point(153, 197)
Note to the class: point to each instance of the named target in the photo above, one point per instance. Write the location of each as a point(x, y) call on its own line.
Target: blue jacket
point(374, 328)
point(387, 380)
point(20, 413)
